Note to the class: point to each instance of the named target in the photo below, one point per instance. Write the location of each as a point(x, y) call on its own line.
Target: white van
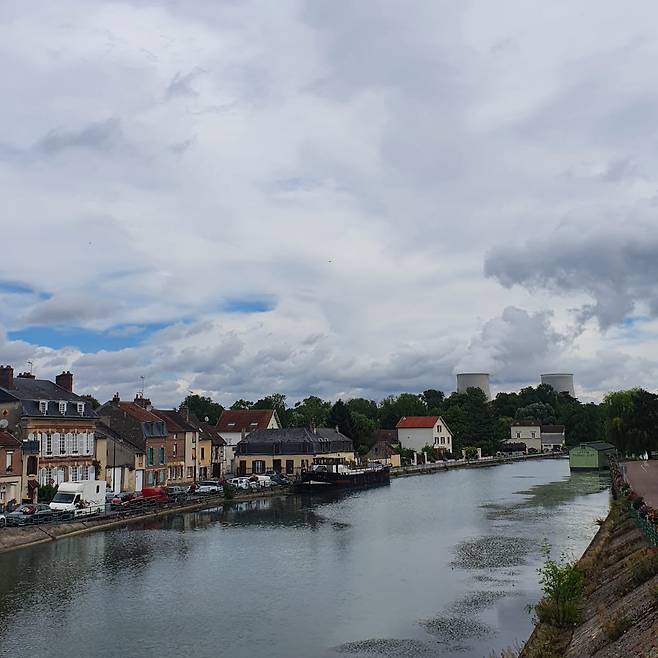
point(264, 481)
point(240, 483)
point(80, 498)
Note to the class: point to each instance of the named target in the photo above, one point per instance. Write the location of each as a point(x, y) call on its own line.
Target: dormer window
point(62, 407)
point(43, 406)
point(81, 408)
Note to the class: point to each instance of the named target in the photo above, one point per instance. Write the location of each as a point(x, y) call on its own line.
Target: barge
point(327, 473)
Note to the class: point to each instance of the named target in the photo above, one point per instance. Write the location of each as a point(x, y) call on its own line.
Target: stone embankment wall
point(620, 605)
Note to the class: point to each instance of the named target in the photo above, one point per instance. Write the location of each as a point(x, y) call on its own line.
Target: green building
point(591, 456)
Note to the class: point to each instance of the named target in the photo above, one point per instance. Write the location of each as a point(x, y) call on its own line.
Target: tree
point(469, 416)
point(541, 412)
point(340, 417)
point(363, 430)
point(367, 408)
point(276, 401)
point(242, 404)
point(311, 410)
point(618, 410)
point(433, 400)
point(92, 400)
point(393, 408)
point(203, 407)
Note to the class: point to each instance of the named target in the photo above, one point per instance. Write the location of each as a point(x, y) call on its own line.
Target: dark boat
point(327, 473)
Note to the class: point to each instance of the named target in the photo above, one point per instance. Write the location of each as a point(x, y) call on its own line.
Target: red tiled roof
point(409, 422)
point(8, 440)
point(235, 420)
point(139, 413)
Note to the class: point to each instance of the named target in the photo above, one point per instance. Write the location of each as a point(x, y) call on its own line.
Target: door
point(139, 480)
point(243, 468)
point(276, 465)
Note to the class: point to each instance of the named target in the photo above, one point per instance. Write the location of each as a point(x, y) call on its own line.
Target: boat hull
point(324, 480)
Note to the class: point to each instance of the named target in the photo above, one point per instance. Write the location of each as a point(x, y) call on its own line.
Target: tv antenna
point(141, 390)
point(29, 363)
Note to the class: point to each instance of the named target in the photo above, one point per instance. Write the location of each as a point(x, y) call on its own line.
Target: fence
point(648, 528)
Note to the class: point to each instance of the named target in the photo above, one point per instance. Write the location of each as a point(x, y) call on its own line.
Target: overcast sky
point(331, 198)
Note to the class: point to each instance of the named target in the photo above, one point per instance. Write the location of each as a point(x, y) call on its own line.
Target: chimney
point(65, 381)
point(116, 399)
point(143, 402)
point(26, 375)
point(6, 377)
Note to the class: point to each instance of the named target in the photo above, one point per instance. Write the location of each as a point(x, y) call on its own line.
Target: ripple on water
point(454, 629)
point(492, 552)
point(478, 601)
point(387, 647)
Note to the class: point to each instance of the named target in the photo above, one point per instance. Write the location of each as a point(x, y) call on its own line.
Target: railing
point(649, 529)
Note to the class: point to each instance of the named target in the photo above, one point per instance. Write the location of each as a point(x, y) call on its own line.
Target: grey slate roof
point(30, 391)
point(293, 441)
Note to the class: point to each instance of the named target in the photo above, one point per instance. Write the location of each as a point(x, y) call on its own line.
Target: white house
point(235, 424)
point(527, 432)
point(552, 437)
point(416, 432)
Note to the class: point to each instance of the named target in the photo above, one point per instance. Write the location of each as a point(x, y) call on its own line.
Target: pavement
point(643, 478)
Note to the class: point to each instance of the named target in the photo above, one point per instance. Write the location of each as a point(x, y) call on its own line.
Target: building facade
point(527, 432)
point(121, 460)
point(416, 432)
point(50, 415)
point(383, 453)
point(11, 469)
point(290, 451)
point(592, 456)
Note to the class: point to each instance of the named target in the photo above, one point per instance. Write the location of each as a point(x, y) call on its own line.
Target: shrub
point(562, 582)
point(46, 493)
point(229, 491)
point(645, 568)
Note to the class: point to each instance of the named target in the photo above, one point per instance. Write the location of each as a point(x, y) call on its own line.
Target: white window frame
point(81, 408)
point(8, 459)
point(62, 407)
point(49, 444)
point(43, 407)
point(60, 442)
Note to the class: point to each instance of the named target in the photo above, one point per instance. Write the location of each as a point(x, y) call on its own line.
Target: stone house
point(51, 416)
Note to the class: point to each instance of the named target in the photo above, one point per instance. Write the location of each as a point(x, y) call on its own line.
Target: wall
point(416, 438)
point(299, 461)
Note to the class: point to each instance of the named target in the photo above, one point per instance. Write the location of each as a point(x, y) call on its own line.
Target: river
point(434, 565)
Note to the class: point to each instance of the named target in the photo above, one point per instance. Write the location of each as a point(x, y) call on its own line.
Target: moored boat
point(327, 473)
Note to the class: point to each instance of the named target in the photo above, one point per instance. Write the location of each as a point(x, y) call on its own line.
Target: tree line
point(473, 420)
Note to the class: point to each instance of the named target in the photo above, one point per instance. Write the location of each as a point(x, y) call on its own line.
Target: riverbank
point(12, 539)
point(620, 604)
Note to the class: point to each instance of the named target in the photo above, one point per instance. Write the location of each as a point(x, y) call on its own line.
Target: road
point(643, 478)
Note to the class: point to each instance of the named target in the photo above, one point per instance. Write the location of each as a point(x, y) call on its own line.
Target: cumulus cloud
point(617, 266)
point(353, 162)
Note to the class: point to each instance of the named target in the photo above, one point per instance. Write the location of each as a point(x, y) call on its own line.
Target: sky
point(329, 198)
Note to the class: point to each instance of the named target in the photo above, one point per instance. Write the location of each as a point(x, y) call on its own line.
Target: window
point(533, 435)
point(8, 458)
point(290, 466)
point(443, 440)
point(203, 453)
point(89, 443)
point(84, 472)
point(81, 408)
point(75, 443)
point(438, 428)
point(43, 406)
point(61, 440)
point(258, 466)
point(150, 476)
point(49, 445)
point(62, 407)
point(73, 474)
point(175, 449)
point(518, 435)
point(190, 471)
point(150, 461)
point(161, 455)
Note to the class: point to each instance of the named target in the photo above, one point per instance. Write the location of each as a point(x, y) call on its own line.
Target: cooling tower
point(562, 382)
point(474, 380)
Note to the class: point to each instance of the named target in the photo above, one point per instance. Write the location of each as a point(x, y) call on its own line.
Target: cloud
point(616, 266)
point(306, 193)
point(96, 136)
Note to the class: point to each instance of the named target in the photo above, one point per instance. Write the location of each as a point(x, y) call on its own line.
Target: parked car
point(155, 495)
point(125, 499)
point(263, 481)
point(30, 513)
point(3, 520)
point(208, 487)
point(240, 483)
point(279, 479)
point(176, 492)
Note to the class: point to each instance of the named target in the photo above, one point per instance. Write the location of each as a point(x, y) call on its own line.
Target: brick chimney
point(26, 375)
point(6, 377)
point(143, 402)
point(65, 381)
point(116, 399)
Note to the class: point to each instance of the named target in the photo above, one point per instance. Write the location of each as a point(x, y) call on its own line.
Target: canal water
point(434, 565)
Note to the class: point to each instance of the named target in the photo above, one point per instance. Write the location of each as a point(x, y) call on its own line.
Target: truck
point(80, 498)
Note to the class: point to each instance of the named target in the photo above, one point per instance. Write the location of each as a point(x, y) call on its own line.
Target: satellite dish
point(3, 423)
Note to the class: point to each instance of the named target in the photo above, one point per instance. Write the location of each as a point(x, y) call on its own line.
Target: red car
point(155, 495)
